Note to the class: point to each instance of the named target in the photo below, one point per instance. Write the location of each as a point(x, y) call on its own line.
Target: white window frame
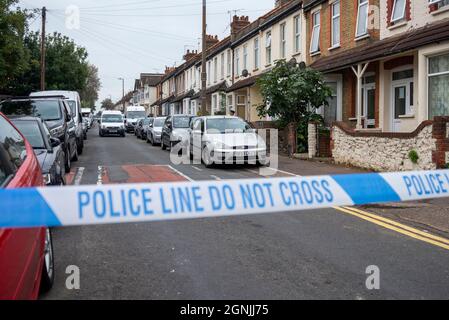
point(245, 57)
point(229, 61)
point(297, 33)
point(394, 8)
point(315, 29)
point(429, 75)
point(362, 3)
point(256, 53)
point(268, 48)
point(283, 40)
point(222, 66)
point(215, 69)
point(237, 62)
point(209, 65)
point(333, 18)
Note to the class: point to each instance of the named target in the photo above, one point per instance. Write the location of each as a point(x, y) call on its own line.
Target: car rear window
point(158, 123)
point(181, 122)
point(32, 132)
point(48, 110)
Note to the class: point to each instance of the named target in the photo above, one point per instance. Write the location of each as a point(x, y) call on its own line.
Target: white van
point(74, 101)
point(132, 114)
point(111, 122)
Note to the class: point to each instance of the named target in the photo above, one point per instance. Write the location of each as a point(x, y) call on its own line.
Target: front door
point(241, 106)
point(399, 105)
point(369, 102)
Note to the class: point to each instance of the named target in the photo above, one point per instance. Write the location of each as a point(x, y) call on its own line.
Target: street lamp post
point(123, 93)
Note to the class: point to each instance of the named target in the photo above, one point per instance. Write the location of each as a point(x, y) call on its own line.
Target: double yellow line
point(396, 226)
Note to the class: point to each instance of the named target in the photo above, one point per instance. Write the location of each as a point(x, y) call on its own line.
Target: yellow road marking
point(416, 234)
point(400, 225)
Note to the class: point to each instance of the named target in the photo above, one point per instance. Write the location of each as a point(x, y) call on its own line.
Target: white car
point(111, 122)
point(226, 140)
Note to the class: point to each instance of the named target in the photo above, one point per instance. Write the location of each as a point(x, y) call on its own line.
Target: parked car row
point(40, 136)
point(212, 139)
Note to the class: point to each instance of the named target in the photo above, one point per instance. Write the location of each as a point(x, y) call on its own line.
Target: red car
point(26, 255)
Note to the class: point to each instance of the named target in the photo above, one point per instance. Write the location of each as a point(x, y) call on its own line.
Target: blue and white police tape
point(122, 203)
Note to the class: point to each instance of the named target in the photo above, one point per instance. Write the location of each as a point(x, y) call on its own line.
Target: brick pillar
point(440, 132)
point(312, 139)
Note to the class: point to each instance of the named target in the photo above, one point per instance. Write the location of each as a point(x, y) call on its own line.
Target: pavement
point(319, 254)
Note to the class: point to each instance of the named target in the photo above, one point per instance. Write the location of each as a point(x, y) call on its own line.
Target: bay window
point(283, 40)
point(237, 62)
point(438, 92)
point(245, 57)
point(256, 53)
point(362, 18)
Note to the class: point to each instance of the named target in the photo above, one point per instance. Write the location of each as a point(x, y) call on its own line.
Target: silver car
point(154, 131)
point(226, 140)
point(176, 131)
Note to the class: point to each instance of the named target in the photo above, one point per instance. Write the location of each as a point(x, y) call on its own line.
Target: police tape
point(123, 203)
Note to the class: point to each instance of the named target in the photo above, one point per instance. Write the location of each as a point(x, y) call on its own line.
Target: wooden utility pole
point(203, 65)
point(44, 18)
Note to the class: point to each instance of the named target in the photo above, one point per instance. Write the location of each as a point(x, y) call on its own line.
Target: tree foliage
point(292, 92)
point(89, 95)
point(107, 104)
point(13, 54)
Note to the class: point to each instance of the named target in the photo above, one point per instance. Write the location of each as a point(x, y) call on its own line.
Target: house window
point(222, 66)
point(315, 40)
point(362, 18)
point(297, 25)
point(215, 69)
point(283, 41)
point(256, 53)
point(214, 104)
point(268, 48)
point(208, 72)
point(398, 10)
point(438, 86)
point(229, 60)
point(335, 24)
point(437, 4)
point(237, 62)
point(245, 57)
point(402, 90)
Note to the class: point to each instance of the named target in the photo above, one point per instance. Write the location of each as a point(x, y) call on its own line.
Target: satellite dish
point(245, 73)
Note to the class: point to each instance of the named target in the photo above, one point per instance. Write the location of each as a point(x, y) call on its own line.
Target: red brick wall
point(348, 22)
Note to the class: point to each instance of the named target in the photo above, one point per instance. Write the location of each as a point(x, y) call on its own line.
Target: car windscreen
point(158, 123)
point(227, 125)
point(48, 110)
point(32, 132)
point(181, 122)
point(112, 118)
point(147, 121)
point(135, 114)
point(72, 105)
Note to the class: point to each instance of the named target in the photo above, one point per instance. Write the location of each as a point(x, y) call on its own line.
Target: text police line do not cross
point(121, 203)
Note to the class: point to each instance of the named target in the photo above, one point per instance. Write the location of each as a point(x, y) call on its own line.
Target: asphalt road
point(321, 254)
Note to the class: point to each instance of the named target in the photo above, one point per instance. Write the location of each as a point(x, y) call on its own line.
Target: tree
point(107, 104)
point(90, 93)
point(291, 93)
point(66, 68)
point(13, 54)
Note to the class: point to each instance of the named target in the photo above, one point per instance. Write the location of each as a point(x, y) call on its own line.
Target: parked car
point(111, 123)
point(142, 128)
point(154, 131)
point(74, 102)
point(176, 130)
point(26, 254)
point(132, 115)
point(47, 149)
point(56, 114)
point(226, 140)
point(85, 128)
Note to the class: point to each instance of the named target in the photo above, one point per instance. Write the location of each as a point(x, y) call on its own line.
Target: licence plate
point(113, 131)
point(245, 154)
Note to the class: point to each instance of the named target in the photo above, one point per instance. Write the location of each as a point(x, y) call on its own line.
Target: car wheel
point(80, 147)
point(75, 157)
point(48, 269)
point(206, 158)
point(67, 161)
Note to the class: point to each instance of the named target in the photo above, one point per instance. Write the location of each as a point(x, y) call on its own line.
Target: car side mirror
point(69, 117)
point(55, 142)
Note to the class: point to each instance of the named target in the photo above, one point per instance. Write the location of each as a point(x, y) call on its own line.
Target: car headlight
point(58, 131)
point(47, 178)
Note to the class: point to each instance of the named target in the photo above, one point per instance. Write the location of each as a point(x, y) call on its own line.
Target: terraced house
point(390, 57)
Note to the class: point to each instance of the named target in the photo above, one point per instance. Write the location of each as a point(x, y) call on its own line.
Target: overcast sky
point(127, 37)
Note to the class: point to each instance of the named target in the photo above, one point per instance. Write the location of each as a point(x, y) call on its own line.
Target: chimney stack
point(279, 3)
point(169, 69)
point(238, 23)
point(211, 41)
point(190, 54)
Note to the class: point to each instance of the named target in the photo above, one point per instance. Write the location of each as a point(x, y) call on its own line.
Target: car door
point(21, 250)
point(71, 129)
point(166, 130)
point(196, 137)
